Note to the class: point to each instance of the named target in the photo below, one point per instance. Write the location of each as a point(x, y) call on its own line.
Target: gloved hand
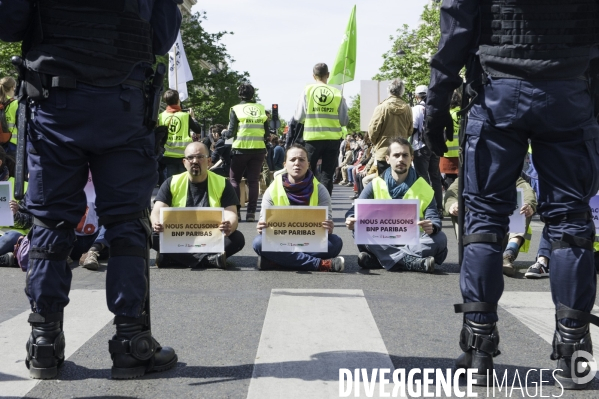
point(434, 132)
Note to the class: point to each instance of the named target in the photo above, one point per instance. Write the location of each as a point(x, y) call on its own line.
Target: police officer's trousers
point(71, 131)
point(557, 117)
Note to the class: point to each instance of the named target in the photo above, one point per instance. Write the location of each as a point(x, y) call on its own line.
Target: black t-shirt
point(197, 194)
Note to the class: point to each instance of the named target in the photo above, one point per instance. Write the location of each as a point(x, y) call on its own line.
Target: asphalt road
point(245, 333)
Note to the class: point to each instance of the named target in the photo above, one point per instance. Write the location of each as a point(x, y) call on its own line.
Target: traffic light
point(275, 112)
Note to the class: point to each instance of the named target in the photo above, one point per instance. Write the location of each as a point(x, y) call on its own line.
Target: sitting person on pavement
point(198, 187)
point(399, 181)
point(297, 186)
point(514, 242)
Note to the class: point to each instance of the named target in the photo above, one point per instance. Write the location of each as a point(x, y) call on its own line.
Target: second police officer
point(528, 62)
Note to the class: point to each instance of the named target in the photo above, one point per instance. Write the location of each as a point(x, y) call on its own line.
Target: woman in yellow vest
point(7, 92)
point(297, 186)
point(247, 124)
point(400, 181)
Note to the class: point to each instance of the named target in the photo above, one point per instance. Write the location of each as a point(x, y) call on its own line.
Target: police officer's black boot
point(566, 341)
point(135, 352)
point(480, 344)
point(45, 347)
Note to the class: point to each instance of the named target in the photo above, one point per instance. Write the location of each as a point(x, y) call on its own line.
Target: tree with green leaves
point(354, 114)
point(412, 49)
point(213, 90)
point(7, 50)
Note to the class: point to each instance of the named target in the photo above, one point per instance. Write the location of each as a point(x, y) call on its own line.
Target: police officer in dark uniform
point(86, 65)
point(528, 64)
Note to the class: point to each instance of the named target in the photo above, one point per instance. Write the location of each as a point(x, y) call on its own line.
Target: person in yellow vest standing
point(323, 111)
point(248, 126)
point(449, 163)
point(179, 124)
point(7, 94)
point(297, 186)
point(400, 181)
point(198, 187)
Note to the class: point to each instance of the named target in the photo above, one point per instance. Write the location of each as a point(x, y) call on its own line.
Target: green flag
point(344, 67)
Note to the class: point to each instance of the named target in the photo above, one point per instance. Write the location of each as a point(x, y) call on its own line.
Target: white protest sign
point(6, 216)
point(517, 220)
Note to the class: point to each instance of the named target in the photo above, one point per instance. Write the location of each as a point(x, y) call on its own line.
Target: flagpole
point(343, 78)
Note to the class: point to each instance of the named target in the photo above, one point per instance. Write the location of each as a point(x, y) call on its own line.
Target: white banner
point(179, 72)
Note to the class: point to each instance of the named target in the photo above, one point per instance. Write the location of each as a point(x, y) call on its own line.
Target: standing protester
point(526, 62)
point(426, 162)
point(180, 124)
point(77, 85)
point(391, 119)
point(322, 110)
point(7, 102)
point(247, 124)
point(221, 155)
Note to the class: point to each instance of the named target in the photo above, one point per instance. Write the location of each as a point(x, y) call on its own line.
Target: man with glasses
point(199, 187)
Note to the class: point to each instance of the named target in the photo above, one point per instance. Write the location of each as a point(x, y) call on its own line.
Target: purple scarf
point(299, 193)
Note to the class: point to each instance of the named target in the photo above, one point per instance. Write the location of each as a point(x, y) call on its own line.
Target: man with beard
point(400, 181)
point(198, 187)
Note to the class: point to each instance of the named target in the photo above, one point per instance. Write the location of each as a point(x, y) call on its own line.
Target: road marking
point(84, 317)
point(536, 311)
point(308, 335)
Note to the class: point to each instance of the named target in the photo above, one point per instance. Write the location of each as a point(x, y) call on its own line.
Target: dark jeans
point(300, 260)
point(233, 244)
point(8, 241)
point(426, 164)
point(328, 150)
point(250, 166)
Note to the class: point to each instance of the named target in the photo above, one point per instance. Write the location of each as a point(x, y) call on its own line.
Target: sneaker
point(348, 184)
point(355, 196)
point(508, 263)
point(217, 260)
point(7, 260)
point(89, 260)
point(250, 217)
point(342, 183)
point(367, 261)
point(538, 270)
point(418, 264)
point(265, 264)
point(332, 265)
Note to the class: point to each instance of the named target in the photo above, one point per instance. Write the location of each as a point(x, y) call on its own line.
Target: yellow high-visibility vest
point(178, 133)
point(250, 134)
point(180, 183)
point(322, 113)
point(420, 190)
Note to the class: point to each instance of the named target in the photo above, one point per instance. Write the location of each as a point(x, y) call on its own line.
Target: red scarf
point(173, 108)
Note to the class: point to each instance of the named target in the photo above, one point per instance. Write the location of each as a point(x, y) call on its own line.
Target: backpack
point(5, 134)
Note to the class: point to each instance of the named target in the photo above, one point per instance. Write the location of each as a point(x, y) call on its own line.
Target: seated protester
point(198, 187)
point(221, 156)
point(298, 186)
point(21, 218)
point(400, 181)
point(512, 242)
point(97, 251)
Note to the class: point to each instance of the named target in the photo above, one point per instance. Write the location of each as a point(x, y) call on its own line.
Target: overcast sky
point(278, 42)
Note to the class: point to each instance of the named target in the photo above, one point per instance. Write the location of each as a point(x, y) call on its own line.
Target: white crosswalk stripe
point(308, 335)
point(84, 317)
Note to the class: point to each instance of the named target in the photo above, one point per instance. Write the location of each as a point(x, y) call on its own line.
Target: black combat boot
point(480, 344)
point(45, 347)
point(135, 352)
point(566, 341)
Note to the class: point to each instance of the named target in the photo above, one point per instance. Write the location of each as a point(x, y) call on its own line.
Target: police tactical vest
point(178, 133)
point(322, 113)
point(453, 146)
point(250, 134)
point(98, 42)
point(537, 39)
point(180, 184)
point(279, 196)
point(420, 191)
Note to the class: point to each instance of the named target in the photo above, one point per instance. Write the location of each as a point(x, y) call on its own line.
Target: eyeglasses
point(191, 158)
